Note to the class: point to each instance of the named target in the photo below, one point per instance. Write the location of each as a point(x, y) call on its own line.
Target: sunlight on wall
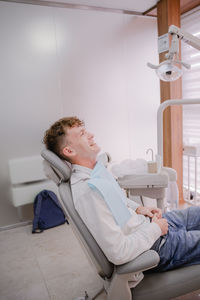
point(42, 39)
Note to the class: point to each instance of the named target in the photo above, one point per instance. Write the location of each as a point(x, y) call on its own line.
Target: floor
point(47, 266)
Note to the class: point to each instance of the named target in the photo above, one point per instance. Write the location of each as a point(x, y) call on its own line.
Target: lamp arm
point(188, 38)
point(187, 66)
point(160, 111)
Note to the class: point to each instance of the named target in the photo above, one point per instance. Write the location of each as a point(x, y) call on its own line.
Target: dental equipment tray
point(148, 180)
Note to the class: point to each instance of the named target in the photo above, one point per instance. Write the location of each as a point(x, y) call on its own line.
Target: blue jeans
point(182, 242)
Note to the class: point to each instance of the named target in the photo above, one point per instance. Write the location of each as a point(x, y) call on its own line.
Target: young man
point(122, 228)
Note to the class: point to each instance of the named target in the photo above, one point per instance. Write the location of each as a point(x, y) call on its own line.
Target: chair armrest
point(147, 260)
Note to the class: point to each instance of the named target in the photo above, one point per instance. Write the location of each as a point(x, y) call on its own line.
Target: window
point(190, 22)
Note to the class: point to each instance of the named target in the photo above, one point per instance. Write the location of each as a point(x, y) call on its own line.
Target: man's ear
point(68, 152)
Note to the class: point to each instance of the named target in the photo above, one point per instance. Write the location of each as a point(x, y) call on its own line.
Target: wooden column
point(168, 12)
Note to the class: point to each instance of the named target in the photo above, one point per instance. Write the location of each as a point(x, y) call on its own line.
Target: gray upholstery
point(143, 262)
point(60, 167)
point(154, 286)
point(168, 284)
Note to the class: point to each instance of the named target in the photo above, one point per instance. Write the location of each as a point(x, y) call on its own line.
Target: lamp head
point(168, 71)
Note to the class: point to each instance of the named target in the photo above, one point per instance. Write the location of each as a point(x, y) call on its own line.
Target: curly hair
point(55, 137)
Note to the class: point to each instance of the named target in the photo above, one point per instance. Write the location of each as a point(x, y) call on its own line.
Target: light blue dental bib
point(105, 184)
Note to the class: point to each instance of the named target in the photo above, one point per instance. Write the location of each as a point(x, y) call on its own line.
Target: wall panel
point(60, 62)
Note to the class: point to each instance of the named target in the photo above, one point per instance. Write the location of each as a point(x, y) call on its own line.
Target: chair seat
point(168, 284)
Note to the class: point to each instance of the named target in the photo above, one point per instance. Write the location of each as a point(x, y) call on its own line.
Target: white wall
point(58, 62)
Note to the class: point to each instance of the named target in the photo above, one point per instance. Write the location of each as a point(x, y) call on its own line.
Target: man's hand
point(149, 211)
point(162, 223)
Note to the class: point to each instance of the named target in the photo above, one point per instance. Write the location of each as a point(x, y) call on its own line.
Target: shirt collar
point(77, 168)
point(80, 173)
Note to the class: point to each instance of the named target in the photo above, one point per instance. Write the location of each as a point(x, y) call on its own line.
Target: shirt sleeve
point(132, 204)
point(118, 245)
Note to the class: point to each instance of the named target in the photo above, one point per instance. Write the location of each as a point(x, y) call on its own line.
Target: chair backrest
point(59, 171)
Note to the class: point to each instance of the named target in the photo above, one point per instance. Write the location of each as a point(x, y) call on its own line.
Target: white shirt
point(120, 245)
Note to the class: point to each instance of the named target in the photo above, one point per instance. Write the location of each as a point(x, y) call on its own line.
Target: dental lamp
point(169, 70)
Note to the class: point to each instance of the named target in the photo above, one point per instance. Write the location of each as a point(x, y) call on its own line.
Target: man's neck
point(86, 163)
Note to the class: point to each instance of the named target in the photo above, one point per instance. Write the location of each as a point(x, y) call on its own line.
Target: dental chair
point(116, 279)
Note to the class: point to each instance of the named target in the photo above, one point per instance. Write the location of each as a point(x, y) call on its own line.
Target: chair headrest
point(59, 170)
point(55, 168)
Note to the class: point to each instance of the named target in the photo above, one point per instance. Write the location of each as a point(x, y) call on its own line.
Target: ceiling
point(139, 6)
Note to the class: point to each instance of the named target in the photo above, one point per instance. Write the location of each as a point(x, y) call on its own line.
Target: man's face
point(81, 143)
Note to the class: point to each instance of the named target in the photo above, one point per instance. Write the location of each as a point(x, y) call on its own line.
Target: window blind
point(190, 22)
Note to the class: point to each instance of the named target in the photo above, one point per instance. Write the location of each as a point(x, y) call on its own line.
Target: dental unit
point(153, 183)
